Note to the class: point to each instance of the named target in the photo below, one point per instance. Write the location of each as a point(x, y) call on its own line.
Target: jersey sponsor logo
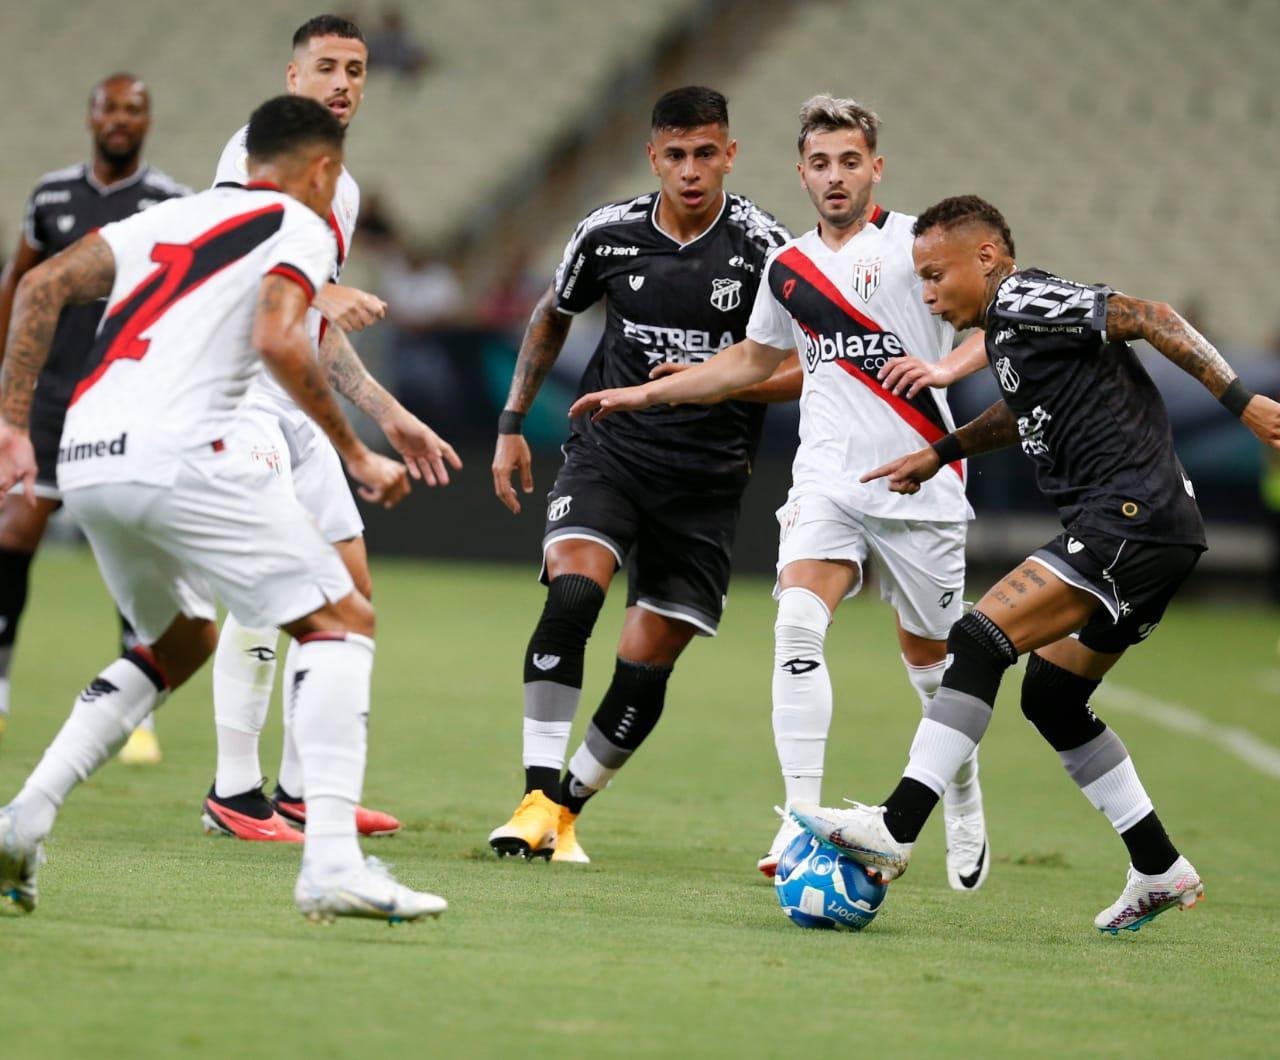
point(545, 662)
point(739, 262)
point(65, 222)
point(870, 352)
point(181, 269)
point(726, 294)
point(1031, 430)
point(50, 198)
point(607, 250)
point(798, 667)
point(635, 282)
point(558, 508)
point(866, 278)
point(574, 273)
point(1008, 376)
point(73, 451)
point(678, 345)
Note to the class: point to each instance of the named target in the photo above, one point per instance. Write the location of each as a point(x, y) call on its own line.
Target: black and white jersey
point(66, 205)
point(1089, 416)
point(668, 302)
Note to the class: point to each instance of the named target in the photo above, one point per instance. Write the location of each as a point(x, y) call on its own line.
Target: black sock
point(907, 809)
point(574, 794)
point(544, 779)
point(1150, 848)
point(15, 570)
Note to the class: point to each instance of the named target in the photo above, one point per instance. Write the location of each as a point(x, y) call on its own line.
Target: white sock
point(589, 770)
point(330, 724)
point(1119, 794)
point(937, 752)
point(148, 723)
point(104, 715)
point(801, 692)
point(545, 743)
point(290, 778)
point(964, 793)
point(244, 671)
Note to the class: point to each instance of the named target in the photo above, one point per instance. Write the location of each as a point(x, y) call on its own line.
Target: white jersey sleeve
point(307, 255)
point(770, 324)
point(233, 163)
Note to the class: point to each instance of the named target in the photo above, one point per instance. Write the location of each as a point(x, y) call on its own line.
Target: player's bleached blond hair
point(825, 113)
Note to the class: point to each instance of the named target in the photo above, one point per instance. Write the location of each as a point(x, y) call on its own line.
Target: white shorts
point(228, 529)
point(312, 466)
point(921, 564)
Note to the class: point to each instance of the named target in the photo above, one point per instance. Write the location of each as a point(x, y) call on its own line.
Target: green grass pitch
point(153, 940)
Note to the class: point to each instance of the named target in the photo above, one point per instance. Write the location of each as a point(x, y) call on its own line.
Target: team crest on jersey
point(866, 278)
point(635, 282)
point(268, 456)
point(66, 222)
point(1009, 378)
point(558, 508)
point(726, 294)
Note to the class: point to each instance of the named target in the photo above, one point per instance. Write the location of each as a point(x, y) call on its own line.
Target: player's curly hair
point(327, 26)
point(824, 113)
point(962, 210)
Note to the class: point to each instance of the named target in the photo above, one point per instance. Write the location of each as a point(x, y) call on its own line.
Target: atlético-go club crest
point(866, 278)
point(726, 294)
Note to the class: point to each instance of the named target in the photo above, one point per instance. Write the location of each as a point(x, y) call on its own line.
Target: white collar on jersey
point(653, 220)
point(119, 185)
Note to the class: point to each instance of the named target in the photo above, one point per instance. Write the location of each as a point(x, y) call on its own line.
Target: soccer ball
point(818, 887)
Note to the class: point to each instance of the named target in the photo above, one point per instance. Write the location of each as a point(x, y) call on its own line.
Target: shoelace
point(862, 805)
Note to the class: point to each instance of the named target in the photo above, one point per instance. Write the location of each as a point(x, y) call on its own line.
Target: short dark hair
point(689, 107)
point(963, 210)
point(286, 123)
point(327, 26)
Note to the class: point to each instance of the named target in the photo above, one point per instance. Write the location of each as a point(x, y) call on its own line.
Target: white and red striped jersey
point(173, 352)
point(847, 312)
point(233, 168)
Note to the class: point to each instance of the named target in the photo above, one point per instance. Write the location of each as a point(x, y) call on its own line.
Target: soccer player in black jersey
point(659, 489)
point(65, 205)
point(1080, 404)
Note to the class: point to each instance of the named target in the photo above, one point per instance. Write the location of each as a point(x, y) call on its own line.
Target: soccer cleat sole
point(324, 918)
point(1182, 904)
point(512, 847)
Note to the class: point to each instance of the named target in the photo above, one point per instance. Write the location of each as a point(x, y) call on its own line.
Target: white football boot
point(367, 891)
point(859, 832)
point(787, 832)
point(1145, 897)
point(968, 853)
point(19, 863)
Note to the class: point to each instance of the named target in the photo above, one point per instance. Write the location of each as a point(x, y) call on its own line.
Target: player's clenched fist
point(604, 403)
point(907, 472)
point(382, 481)
point(349, 308)
point(1262, 416)
point(509, 455)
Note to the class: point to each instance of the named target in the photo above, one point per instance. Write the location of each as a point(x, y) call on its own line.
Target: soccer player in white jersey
point(180, 511)
point(328, 65)
point(845, 294)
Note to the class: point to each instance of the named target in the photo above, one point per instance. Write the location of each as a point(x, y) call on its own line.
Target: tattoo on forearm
point(543, 340)
point(994, 429)
point(349, 377)
point(81, 273)
point(1168, 332)
point(323, 406)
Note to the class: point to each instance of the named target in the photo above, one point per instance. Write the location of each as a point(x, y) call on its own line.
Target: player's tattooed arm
point(997, 428)
point(25, 258)
point(81, 273)
point(543, 341)
point(1162, 326)
point(350, 378)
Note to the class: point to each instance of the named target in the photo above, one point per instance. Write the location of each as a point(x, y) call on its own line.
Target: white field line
point(1235, 741)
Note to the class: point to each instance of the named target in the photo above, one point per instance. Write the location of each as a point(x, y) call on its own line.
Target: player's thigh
point(821, 547)
point(250, 539)
point(22, 523)
point(355, 557)
point(124, 525)
point(921, 575)
point(1069, 654)
point(1033, 606)
point(592, 518)
point(653, 639)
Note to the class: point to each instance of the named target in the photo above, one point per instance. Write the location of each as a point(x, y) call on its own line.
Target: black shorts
point(675, 537)
point(1134, 580)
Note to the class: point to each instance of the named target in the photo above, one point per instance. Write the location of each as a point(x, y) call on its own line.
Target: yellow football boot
point(531, 832)
point(141, 749)
point(567, 846)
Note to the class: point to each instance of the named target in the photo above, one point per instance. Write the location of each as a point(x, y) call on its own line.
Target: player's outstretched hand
point(425, 453)
point(604, 403)
point(511, 454)
point(1262, 416)
point(17, 462)
point(907, 472)
point(910, 375)
point(349, 308)
point(382, 481)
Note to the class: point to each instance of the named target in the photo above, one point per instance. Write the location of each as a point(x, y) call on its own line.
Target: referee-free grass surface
point(154, 940)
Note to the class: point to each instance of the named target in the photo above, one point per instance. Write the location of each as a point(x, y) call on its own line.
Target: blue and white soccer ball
point(818, 887)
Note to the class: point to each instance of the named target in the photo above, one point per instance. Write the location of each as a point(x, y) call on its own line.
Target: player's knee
point(980, 653)
point(568, 616)
point(1056, 702)
point(801, 624)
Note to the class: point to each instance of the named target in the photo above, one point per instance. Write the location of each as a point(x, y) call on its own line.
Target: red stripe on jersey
point(292, 272)
point(800, 264)
point(174, 261)
point(337, 233)
point(309, 638)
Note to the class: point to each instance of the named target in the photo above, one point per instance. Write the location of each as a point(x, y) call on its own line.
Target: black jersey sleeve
point(1045, 309)
point(578, 285)
point(32, 224)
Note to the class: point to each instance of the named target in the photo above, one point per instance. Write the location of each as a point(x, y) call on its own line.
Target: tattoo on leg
point(1033, 576)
